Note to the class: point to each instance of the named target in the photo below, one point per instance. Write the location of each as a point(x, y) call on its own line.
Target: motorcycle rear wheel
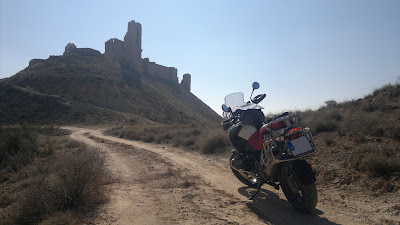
point(302, 197)
point(249, 181)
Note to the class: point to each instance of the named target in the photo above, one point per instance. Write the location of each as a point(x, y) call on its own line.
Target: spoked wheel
point(302, 197)
point(245, 177)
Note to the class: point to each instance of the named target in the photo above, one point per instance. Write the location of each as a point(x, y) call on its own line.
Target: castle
point(129, 51)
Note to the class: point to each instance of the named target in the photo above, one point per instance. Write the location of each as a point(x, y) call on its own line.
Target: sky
point(303, 53)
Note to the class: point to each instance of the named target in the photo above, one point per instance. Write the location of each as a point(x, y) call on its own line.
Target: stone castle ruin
point(129, 51)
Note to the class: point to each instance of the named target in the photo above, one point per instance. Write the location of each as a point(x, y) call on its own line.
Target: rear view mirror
point(256, 85)
point(225, 108)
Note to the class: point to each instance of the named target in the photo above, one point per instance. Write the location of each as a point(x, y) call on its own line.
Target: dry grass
point(214, 144)
point(208, 139)
point(18, 147)
point(62, 179)
point(364, 135)
point(383, 161)
point(74, 182)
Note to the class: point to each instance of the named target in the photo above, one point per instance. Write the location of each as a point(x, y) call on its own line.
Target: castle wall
point(155, 71)
point(130, 51)
point(114, 49)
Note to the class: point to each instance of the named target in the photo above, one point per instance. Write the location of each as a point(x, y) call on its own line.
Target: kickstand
point(258, 190)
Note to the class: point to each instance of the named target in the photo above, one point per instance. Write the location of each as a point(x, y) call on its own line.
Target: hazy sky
point(303, 53)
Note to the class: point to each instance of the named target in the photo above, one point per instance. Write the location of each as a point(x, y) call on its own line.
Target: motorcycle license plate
point(300, 146)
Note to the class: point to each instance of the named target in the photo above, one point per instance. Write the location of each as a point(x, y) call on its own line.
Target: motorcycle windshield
point(234, 100)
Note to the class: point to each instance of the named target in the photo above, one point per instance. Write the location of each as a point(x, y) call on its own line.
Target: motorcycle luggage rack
point(288, 157)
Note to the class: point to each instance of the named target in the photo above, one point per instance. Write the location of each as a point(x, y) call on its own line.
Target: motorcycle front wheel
point(302, 197)
point(243, 176)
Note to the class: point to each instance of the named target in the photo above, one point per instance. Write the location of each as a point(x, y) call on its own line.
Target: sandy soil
point(157, 184)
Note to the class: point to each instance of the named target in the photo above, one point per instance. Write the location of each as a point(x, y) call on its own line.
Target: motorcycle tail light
point(294, 132)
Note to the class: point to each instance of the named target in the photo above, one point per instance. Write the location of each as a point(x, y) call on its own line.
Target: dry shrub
point(74, 182)
point(326, 126)
point(329, 141)
point(6, 199)
point(377, 161)
point(61, 218)
point(189, 136)
point(335, 115)
point(51, 130)
point(213, 143)
point(376, 124)
point(323, 120)
point(18, 148)
point(78, 179)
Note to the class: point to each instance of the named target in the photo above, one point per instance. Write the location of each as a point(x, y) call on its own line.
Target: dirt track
point(156, 184)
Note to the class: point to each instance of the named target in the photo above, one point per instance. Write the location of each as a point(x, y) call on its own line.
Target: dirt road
point(156, 184)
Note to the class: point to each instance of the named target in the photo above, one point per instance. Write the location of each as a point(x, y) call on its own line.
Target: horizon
point(302, 53)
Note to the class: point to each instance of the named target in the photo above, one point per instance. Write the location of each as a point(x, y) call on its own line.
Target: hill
point(358, 141)
point(84, 86)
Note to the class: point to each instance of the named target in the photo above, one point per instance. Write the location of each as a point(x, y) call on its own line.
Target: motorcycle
point(278, 161)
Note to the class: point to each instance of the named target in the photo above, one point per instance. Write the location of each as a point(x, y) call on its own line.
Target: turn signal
point(306, 130)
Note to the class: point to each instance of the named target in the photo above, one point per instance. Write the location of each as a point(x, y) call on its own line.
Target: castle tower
point(133, 44)
point(186, 81)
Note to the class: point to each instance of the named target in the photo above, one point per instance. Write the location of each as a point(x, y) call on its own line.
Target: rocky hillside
point(83, 86)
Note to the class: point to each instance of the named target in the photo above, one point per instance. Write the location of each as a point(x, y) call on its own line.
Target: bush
point(18, 148)
point(376, 124)
point(78, 179)
point(329, 142)
point(74, 182)
point(335, 115)
point(377, 161)
point(326, 126)
point(210, 145)
point(331, 104)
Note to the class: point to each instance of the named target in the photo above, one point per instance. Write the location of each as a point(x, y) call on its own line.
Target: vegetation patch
point(62, 178)
point(206, 138)
point(379, 161)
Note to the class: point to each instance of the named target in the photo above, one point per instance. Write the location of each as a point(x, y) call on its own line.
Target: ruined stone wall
point(35, 61)
point(114, 49)
point(155, 71)
point(130, 51)
point(70, 47)
point(186, 81)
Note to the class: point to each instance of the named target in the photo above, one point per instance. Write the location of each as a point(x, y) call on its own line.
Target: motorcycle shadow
point(270, 207)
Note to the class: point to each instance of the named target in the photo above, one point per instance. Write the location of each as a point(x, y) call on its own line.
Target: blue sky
point(303, 53)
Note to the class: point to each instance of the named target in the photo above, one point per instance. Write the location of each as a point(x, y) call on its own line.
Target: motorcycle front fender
point(304, 172)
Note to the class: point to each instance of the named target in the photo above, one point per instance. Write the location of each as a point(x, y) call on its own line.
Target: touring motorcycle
point(278, 161)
